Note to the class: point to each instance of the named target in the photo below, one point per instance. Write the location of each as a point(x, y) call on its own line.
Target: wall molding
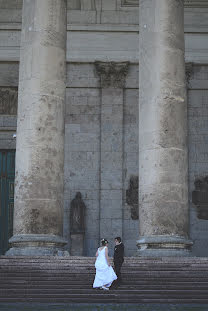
point(187, 3)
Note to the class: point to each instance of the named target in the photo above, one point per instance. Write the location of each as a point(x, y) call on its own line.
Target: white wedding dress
point(105, 275)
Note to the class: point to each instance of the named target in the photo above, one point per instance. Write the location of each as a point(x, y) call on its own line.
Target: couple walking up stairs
point(70, 279)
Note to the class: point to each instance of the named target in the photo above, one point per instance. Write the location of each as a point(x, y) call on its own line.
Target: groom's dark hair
point(118, 239)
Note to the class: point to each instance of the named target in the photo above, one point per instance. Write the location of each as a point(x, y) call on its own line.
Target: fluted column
point(163, 161)
point(38, 209)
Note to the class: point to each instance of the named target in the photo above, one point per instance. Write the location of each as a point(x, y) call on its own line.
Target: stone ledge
point(37, 245)
point(187, 3)
point(159, 246)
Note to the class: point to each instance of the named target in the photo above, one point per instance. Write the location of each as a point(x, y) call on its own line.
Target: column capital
point(112, 74)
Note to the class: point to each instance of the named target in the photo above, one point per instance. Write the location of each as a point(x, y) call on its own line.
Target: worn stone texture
point(107, 30)
point(163, 162)
point(198, 151)
point(8, 101)
point(111, 177)
point(40, 126)
point(112, 81)
point(130, 227)
point(103, 30)
point(86, 120)
point(86, 101)
point(82, 153)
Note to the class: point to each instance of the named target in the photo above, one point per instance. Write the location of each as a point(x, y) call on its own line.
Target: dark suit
point(118, 260)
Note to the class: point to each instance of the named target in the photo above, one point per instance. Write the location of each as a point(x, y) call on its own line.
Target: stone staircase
point(69, 280)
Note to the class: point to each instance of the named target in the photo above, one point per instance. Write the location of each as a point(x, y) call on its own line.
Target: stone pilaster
point(163, 161)
point(38, 210)
point(112, 77)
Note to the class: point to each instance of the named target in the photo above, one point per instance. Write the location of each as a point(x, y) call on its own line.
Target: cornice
point(187, 3)
point(196, 3)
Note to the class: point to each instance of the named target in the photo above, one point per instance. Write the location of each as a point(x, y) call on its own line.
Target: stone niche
point(77, 225)
point(132, 197)
point(8, 101)
point(200, 197)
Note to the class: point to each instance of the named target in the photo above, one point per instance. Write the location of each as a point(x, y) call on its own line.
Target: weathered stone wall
point(130, 226)
point(107, 30)
point(82, 148)
point(8, 104)
point(198, 151)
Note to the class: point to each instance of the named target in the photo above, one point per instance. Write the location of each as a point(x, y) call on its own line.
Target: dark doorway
point(7, 174)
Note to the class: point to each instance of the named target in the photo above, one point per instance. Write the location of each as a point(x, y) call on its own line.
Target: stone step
point(80, 284)
point(69, 280)
point(89, 281)
point(104, 301)
point(83, 291)
point(126, 274)
point(159, 284)
point(136, 294)
point(92, 267)
point(128, 260)
point(106, 298)
point(122, 290)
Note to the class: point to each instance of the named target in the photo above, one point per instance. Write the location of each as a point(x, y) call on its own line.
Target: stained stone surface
point(112, 79)
point(82, 151)
point(163, 162)
point(8, 101)
point(106, 30)
point(83, 99)
point(198, 151)
point(40, 127)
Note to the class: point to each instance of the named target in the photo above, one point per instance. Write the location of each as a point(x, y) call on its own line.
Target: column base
point(164, 246)
point(37, 245)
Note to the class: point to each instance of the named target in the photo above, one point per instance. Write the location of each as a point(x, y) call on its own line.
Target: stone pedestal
point(112, 77)
point(38, 206)
point(77, 244)
point(163, 161)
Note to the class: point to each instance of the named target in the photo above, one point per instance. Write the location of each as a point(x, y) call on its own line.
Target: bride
point(105, 274)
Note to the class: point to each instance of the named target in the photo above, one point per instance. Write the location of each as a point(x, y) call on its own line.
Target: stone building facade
point(126, 137)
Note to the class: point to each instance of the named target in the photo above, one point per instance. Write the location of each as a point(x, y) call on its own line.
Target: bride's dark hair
point(104, 242)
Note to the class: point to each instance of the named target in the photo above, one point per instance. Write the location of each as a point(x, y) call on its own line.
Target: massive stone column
point(112, 77)
point(38, 210)
point(163, 161)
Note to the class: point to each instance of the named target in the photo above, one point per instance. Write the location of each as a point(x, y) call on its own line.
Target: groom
point(118, 259)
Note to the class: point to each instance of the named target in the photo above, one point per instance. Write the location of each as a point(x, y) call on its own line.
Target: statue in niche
point(77, 214)
point(132, 197)
point(200, 197)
